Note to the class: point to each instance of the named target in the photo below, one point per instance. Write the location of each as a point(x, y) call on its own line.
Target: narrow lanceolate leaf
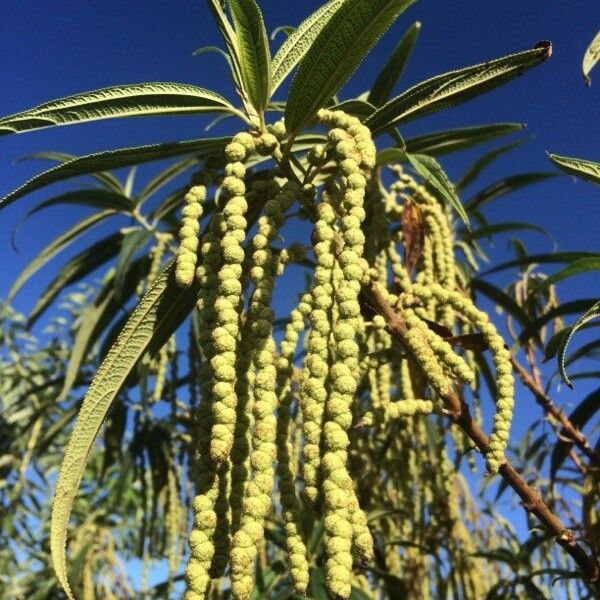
point(106, 179)
point(335, 54)
point(393, 68)
point(159, 313)
point(532, 259)
point(501, 299)
point(164, 177)
point(133, 242)
point(582, 265)
point(506, 186)
point(471, 174)
point(114, 159)
point(489, 230)
point(586, 169)
point(592, 313)
point(56, 246)
point(584, 411)
point(216, 7)
point(78, 267)
point(453, 140)
point(255, 57)
point(431, 172)
point(454, 87)
point(137, 100)
point(299, 41)
point(590, 58)
point(94, 321)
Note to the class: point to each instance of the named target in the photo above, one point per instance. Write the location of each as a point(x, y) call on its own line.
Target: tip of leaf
point(545, 45)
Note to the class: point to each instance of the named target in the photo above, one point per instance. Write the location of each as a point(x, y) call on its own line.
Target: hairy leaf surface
point(158, 314)
point(136, 100)
point(299, 41)
point(453, 140)
point(253, 45)
point(114, 159)
point(336, 53)
point(454, 87)
point(432, 173)
point(586, 169)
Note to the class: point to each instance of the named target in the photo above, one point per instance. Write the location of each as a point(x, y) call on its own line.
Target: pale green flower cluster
point(188, 235)
point(502, 363)
point(290, 505)
point(229, 293)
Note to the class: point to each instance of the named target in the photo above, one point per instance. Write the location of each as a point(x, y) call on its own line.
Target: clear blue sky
point(51, 49)
point(60, 47)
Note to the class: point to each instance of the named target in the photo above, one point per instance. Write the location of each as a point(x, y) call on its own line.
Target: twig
point(531, 498)
point(569, 431)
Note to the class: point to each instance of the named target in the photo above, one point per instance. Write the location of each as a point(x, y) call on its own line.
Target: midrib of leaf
point(253, 51)
point(340, 73)
point(117, 101)
point(144, 326)
point(296, 45)
point(113, 159)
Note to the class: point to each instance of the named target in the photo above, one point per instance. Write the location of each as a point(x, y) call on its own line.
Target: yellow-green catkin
point(345, 523)
point(257, 494)
point(229, 293)
point(502, 363)
point(185, 266)
point(290, 505)
point(208, 474)
point(313, 392)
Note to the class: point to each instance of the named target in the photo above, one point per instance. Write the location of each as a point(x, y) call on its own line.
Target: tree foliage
point(277, 386)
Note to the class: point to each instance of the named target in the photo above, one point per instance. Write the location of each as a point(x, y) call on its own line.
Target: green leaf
point(532, 259)
point(133, 242)
point(158, 314)
point(453, 140)
point(388, 77)
point(295, 46)
point(481, 163)
point(585, 169)
point(228, 34)
point(588, 305)
point(590, 314)
point(114, 159)
point(78, 267)
point(137, 100)
point(584, 411)
point(590, 58)
point(582, 265)
point(454, 87)
point(432, 173)
point(501, 299)
point(108, 180)
point(506, 186)
point(164, 177)
point(357, 108)
point(98, 198)
point(54, 247)
point(490, 230)
point(336, 53)
point(254, 54)
point(90, 323)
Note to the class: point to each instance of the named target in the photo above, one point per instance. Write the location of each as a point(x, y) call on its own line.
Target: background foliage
point(43, 383)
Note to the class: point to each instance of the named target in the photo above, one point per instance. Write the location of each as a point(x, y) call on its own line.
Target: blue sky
point(53, 49)
point(57, 48)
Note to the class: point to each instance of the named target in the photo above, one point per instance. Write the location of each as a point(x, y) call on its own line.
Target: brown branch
point(460, 415)
point(569, 431)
